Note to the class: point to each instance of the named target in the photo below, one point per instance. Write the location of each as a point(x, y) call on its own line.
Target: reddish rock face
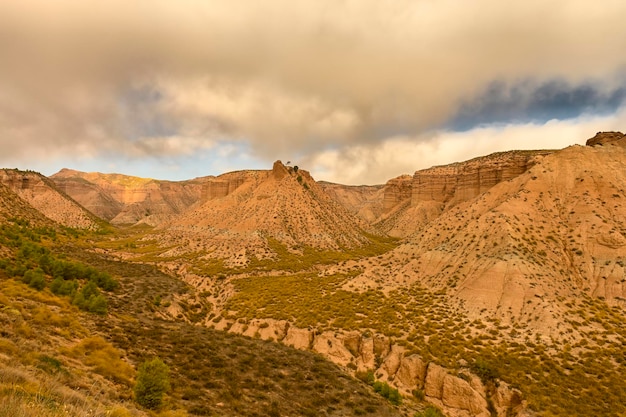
point(42, 194)
point(124, 199)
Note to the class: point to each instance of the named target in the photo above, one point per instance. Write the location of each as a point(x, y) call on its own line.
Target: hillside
point(251, 220)
point(58, 357)
point(39, 192)
point(365, 201)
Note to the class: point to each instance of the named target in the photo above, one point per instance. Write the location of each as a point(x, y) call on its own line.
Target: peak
point(602, 138)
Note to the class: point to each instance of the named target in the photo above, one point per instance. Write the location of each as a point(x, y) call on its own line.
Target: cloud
point(158, 78)
point(527, 101)
point(376, 163)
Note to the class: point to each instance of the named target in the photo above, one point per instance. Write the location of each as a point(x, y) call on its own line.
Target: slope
point(57, 360)
point(365, 201)
point(523, 280)
point(259, 215)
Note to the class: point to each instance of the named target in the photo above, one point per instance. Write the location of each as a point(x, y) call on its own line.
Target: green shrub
point(152, 383)
point(485, 370)
point(35, 279)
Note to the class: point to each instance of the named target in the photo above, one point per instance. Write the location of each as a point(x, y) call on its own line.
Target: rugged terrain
point(494, 286)
point(58, 358)
point(123, 199)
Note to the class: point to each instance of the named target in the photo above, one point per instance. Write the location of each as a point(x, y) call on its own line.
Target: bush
point(35, 279)
point(418, 394)
point(485, 370)
point(152, 383)
point(391, 394)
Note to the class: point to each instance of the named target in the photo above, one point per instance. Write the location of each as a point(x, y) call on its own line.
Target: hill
point(123, 199)
point(41, 193)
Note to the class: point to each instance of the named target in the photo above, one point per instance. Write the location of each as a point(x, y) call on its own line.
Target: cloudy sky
point(355, 91)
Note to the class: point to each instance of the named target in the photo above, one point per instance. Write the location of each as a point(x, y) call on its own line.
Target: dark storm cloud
point(529, 102)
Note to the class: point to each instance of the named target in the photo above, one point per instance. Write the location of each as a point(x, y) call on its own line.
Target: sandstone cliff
point(412, 202)
point(458, 392)
point(459, 182)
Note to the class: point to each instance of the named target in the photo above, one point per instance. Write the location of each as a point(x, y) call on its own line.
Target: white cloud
point(377, 163)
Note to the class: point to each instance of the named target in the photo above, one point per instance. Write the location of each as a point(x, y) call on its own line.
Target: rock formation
point(603, 138)
point(459, 182)
point(397, 191)
point(246, 209)
point(459, 393)
point(412, 202)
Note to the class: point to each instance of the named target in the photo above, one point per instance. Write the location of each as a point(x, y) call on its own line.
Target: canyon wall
point(455, 183)
point(397, 191)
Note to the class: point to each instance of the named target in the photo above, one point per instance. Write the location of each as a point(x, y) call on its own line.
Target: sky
point(354, 91)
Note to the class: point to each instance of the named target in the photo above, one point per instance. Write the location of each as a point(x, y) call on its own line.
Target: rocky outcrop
point(455, 183)
point(458, 393)
point(603, 138)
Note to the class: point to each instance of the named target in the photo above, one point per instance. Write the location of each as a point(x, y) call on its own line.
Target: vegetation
point(382, 388)
point(35, 264)
point(430, 411)
point(550, 378)
point(65, 362)
point(153, 381)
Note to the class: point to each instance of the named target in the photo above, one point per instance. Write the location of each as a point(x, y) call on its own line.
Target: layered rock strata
point(397, 191)
point(455, 183)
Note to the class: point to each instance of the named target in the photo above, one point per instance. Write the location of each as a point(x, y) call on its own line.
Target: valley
point(490, 287)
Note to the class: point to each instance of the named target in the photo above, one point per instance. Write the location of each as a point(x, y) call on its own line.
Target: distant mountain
point(365, 201)
point(123, 199)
